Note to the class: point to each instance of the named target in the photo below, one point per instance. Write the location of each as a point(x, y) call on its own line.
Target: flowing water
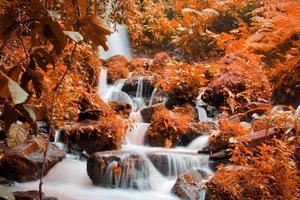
point(68, 180)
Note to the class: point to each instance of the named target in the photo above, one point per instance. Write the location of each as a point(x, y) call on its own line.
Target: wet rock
point(131, 85)
point(174, 163)
point(123, 109)
point(31, 195)
point(91, 135)
point(116, 68)
point(188, 185)
point(115, 169)
point(147, 112)
point(24, 162)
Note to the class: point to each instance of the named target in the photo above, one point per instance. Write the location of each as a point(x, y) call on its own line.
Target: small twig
point(69, 67)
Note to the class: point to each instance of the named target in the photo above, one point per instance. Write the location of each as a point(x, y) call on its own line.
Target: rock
point(24, 162)
point(4, 181)
point(160, 61)
point(171, 128)
point(174, 163)
point(116, 68)
point(131, 85)
point(31, 195)
point(90, 114)
point(92, 136)
point(123, 109)
point(147, 112)
point(139, 65)
point(188, 185)
point(260, 137)
point(115, 169)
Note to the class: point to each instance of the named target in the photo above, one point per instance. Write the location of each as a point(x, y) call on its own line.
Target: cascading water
point(68, 180)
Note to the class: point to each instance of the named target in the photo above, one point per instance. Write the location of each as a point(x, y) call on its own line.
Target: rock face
point(24, 163)
point(92, 136)
point(118, 170)
point(188, 185)
point(116, 68)
point(131, 85)
point(31, 195)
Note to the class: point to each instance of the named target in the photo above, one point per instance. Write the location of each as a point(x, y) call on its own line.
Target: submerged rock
point(118, 170)
point(188, 185)
point(24, 162)
point(31, 195)
point(92, 136)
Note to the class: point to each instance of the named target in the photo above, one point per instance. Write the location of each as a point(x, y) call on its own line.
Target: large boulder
point(188, 185)
point(171, 128)
point(93, 135)
point(117, 169)
point(24, 162)
point(31, 195)
point(116, 68)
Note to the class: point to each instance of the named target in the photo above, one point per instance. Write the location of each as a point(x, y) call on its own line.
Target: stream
point(68, 180)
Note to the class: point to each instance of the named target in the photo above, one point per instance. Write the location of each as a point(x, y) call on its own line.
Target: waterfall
point(137, 135)
point(102, 88)
point(118, 44)
point(153, 95)
point(68, 180)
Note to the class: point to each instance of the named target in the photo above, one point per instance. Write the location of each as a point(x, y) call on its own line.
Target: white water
point(68, 180)
point(118, 44)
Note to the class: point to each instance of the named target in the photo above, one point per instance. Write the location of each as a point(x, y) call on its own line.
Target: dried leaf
point(82, 6)
point(4, 194)
point(41, 142)
point(17, 93)
point(54, 32)
point(17, 134)
point(75, 36)
point(30, 112)
point(42, 58)
point(7, 25)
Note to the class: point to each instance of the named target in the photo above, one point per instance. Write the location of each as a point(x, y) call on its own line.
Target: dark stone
point(92, 136)
point(115, 169)
point(147, 112)
point(220, 155)
point(4, 181)
point(131, 85)
point(90, 114)
point(31, 195)
point(24, 162)
point(188, 185)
